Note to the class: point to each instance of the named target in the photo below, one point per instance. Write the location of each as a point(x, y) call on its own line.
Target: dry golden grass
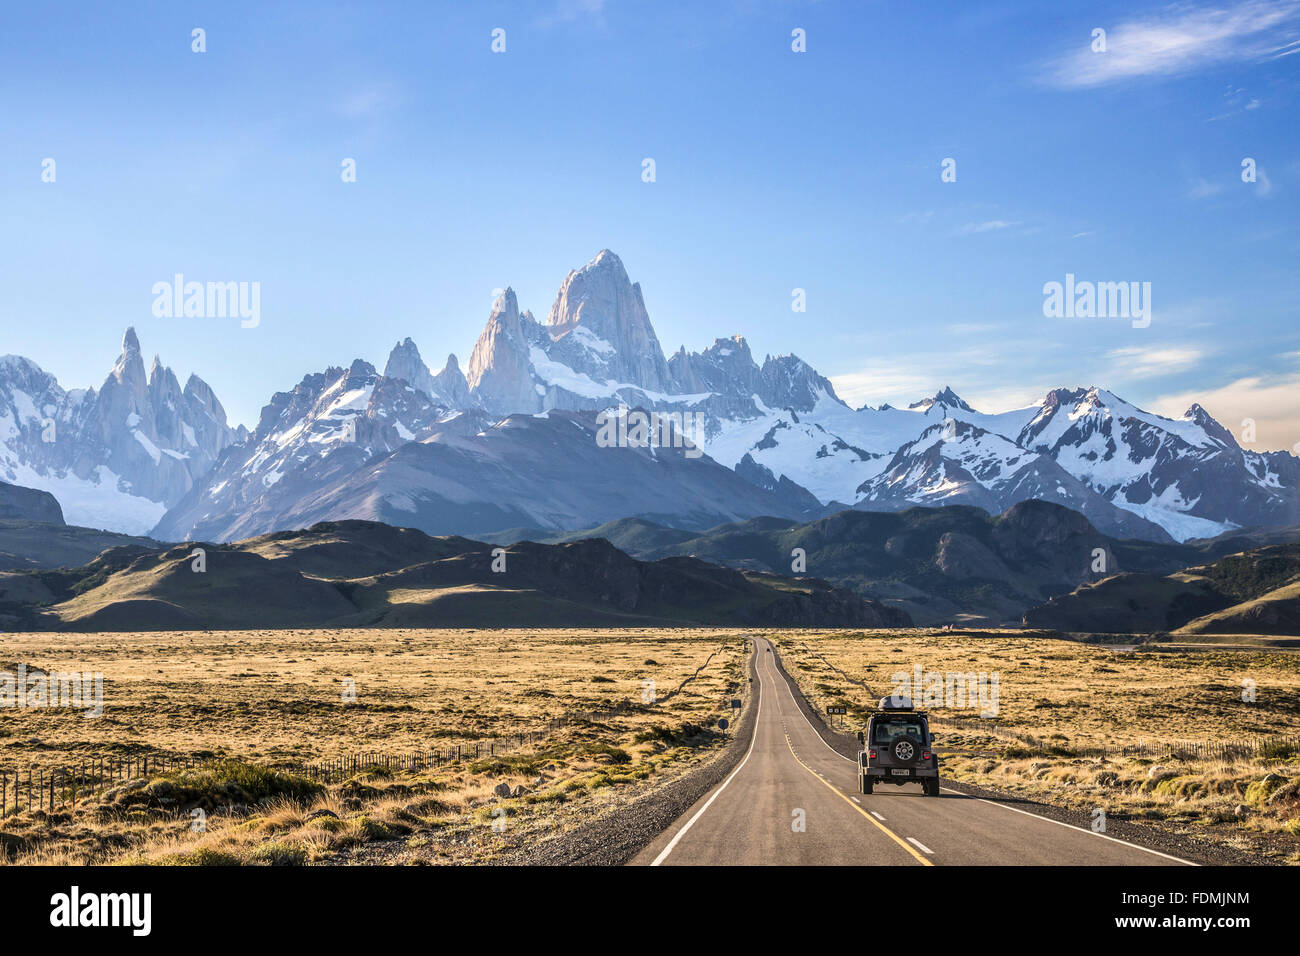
point(274, 699)
point(277, 696)
point(1075, 700)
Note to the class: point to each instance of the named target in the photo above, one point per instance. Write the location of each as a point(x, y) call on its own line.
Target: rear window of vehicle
point(886, 731)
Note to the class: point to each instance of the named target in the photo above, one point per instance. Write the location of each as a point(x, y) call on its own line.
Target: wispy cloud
point(1148, 361)
point(567, 11)
point(367, 101)
point(1263, 185)
point(909, 378)
point(884, 382)
point(1203, 189)
point(990, 225)
point(1181, 40)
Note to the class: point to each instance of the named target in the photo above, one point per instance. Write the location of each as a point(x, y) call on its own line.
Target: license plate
point(901, 773)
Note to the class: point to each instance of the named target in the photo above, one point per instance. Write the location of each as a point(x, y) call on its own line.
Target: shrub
point(279, 854)
point(616, 755)
point(219, 783)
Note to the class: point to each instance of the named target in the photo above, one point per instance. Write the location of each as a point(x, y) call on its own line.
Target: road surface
point(794, 801)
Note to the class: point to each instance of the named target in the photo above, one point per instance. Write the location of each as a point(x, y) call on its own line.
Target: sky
point(775, 170)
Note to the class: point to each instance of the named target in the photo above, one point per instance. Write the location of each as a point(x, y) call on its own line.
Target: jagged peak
point(452, 364)
point(945, 397)
point(130, 342)
point(506, 304)
point(734, 342)
point(196, 384)
point(606, 258)
point(20, 361)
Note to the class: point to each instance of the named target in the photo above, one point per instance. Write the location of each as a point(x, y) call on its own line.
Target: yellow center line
point(869, 818)
point(767, 669)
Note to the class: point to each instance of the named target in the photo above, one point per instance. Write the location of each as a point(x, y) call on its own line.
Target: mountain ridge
point(143, 454)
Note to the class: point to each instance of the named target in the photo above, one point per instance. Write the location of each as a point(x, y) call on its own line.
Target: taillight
point(925, 755)
point(871, 754)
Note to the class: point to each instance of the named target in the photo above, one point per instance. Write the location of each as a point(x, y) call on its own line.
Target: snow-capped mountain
point(472, 474)
point(1131, 472)
point(1189, 475)
point(958, 463)
point(451, 451)
point(114, 458)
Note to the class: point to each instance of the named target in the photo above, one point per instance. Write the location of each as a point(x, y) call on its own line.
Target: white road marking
point(855, 799)
point(1036, 816)
point(877, 816)
point(920, 846)
point(1059, 823)
point(663, 854)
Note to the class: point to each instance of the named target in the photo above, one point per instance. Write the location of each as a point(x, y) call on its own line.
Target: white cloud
point(991, 225)
point(1203, 188)
point(883, 382)
point(1179, 41)
point(1148, 361)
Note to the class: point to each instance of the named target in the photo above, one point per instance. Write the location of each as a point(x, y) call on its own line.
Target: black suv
point(898, 748)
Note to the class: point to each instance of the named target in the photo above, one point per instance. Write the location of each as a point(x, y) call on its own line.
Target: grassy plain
point(262, 703)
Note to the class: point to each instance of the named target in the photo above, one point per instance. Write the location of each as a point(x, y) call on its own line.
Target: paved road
point(790, 773)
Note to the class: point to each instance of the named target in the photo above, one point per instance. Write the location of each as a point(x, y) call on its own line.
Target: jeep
point(898, 748)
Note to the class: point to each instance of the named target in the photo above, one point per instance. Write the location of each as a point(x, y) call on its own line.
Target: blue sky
point(775, 170)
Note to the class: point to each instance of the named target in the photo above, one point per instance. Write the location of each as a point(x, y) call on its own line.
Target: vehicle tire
point(866, 784)
point(906, 750)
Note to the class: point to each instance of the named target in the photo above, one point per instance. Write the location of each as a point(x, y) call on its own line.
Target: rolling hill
point(1254, 592)
point(950, 564)
point(364, 574)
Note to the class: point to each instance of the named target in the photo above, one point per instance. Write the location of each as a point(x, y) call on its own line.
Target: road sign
point(837, 709)
point(735, 704)
point(722, 723)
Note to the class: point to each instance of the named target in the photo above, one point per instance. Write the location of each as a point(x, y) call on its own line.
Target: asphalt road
point(794, 801)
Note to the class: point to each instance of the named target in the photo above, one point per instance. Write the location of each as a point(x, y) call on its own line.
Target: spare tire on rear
point(906, 750)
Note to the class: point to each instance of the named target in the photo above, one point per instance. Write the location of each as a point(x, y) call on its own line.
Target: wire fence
point(1248, 748)
point(55, 788)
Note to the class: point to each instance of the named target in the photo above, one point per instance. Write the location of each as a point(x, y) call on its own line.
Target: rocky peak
point(405, 363)
point(500, 372)
point(1197, 415)
point(452, 385)
point(601, 300)
point(787, 381)
point(726, 367)
point(946, 398)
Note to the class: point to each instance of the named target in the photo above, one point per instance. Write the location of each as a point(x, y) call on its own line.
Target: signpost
point(833, 709)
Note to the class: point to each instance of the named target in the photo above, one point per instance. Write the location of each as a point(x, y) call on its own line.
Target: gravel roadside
point(614, 839)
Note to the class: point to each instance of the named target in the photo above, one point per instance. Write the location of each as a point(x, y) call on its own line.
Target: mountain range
point(513, 441)
point(955, 564)
point(366, 574)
